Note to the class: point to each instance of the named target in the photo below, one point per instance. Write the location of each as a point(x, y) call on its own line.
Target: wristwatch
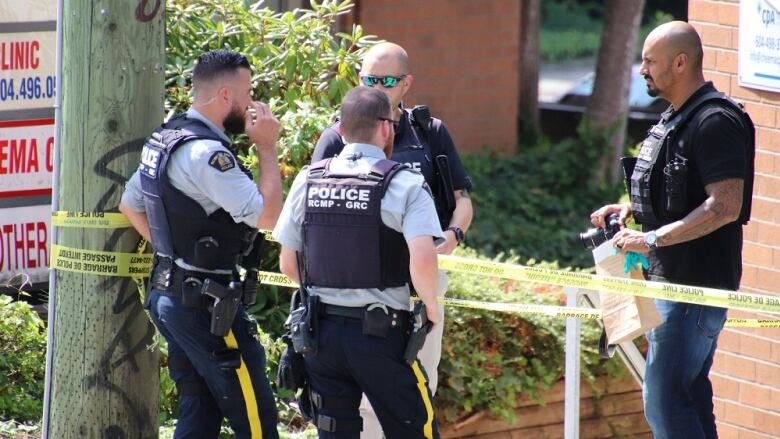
point(459, 235)
point(650, 239)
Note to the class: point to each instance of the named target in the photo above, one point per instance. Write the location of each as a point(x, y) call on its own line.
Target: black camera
point(595, 237)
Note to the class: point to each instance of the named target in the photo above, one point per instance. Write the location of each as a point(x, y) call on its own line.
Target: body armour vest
point(346, 244)
point(210, 242)
point(648, 191)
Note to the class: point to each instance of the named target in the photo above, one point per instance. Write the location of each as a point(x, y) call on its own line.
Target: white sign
point(26, 157)
point(24, 243)
point(14, 11)
point(759, 44)
point(27, 65)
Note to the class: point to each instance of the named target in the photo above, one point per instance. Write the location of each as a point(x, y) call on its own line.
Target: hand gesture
point(263, 129)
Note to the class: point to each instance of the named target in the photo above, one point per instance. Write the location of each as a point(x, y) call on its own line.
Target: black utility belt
point(188, 285)
point(359, 312)
point(377, 318)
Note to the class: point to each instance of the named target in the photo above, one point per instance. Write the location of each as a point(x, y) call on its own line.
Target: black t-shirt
point(716, 145)
point(411, 147)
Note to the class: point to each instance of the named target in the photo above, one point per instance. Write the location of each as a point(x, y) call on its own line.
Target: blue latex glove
point(634, 261)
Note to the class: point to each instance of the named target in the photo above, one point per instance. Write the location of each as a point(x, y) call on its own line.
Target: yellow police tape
point(138, 265)
point(92, 220)
point(103, 263)
point(278, 279)
point(615, 285)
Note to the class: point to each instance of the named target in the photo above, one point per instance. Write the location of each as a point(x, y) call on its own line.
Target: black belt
point(181, 276)
point(352, 312)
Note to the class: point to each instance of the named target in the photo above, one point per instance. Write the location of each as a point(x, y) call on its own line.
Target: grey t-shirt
point(407, 207)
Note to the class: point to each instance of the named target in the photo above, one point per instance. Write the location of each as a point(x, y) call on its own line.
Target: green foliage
point(489, 359)
point(569, 30)
point(535, 204)
point(22, 361)
point(299, 67)
point(572, 29)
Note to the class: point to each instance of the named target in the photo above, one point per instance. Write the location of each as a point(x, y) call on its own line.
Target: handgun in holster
point(420, 329)
point(226, 302)
point(302, 322)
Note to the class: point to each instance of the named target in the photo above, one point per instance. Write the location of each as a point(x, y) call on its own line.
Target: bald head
point(389, 54)
point(678, 37)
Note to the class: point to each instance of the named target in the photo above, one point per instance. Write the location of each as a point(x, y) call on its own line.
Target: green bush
point(489, 358)
point(535, 204)
point(569, 30)
point(22, 361)
point(299, 66)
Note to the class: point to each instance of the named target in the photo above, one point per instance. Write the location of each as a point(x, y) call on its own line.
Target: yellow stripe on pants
point(250, 401)
point(423, 388)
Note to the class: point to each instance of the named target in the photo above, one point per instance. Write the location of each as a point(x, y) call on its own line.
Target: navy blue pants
point(218, 377)
point(349, 363)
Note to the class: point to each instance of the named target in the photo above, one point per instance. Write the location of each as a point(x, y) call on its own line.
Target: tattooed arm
point(721, 207)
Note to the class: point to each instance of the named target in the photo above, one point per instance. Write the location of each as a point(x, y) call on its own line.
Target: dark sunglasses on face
point(386, 81)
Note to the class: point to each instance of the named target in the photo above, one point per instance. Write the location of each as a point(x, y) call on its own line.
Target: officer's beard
point(652, 91)
point(234, 121)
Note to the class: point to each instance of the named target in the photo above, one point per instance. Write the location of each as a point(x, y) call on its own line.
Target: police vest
point(420, 152)
point(346, 244)
point(210, 242)
point(646, 187)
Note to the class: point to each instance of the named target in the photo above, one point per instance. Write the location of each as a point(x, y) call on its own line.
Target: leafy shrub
point(569, 30)
point(22, 361)
point(489, 359)
point(299, 66)
point(535, 204)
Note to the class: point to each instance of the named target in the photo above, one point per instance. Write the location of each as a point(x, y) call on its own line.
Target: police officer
point(363, 228)
point(419, 139)
point(690, 190)
point(198, 206)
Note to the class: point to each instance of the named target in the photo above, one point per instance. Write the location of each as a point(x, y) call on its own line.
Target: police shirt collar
point(364, 149)
point(195, 114)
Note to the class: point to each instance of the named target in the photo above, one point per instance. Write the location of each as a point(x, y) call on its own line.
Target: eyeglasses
point(386, 81)
point(386, 119)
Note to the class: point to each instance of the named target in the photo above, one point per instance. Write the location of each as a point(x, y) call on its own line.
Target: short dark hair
point(361, 111)
point(215, 63)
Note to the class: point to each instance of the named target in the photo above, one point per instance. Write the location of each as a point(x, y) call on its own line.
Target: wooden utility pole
point(105, 375)
point(608, 104)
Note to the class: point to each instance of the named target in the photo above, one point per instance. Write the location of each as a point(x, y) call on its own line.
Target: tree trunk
point(608, 105)
point(528, 90)
point(105, 372)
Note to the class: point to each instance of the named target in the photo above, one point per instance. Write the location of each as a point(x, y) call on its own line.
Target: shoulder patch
point(222, 161)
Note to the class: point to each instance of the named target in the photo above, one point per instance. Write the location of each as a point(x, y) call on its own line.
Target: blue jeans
point(216, 377)
point(677, 391)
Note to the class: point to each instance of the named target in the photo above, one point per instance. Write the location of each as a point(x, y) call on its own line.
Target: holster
point(226, 303)
point(302, 322)
point(420, 329)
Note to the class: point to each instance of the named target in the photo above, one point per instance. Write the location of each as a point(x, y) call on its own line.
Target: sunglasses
point(386, 81)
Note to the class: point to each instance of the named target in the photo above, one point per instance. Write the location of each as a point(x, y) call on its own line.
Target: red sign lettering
point(19, 55)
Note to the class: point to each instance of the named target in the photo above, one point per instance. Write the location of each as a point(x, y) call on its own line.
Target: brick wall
point(464, 56)
point(746, 373)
